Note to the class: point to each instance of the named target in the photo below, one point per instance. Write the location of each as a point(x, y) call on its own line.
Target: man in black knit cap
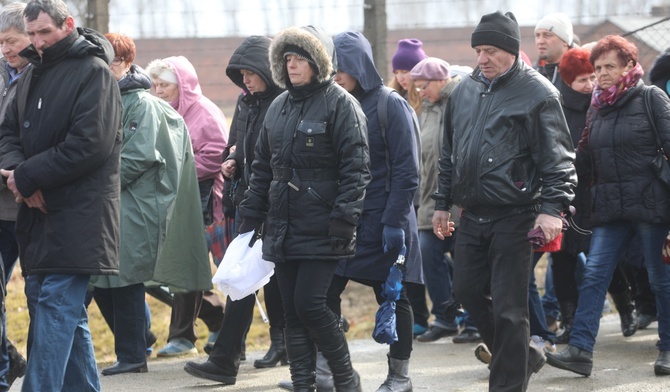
point(507, 161)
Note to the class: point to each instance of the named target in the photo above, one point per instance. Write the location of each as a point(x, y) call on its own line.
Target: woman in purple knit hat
point(409, 53)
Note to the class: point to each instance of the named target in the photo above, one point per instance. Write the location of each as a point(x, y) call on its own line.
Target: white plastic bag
point(243, 270)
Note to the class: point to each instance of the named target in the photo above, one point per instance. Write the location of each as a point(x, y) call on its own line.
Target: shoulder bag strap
point(650, 116)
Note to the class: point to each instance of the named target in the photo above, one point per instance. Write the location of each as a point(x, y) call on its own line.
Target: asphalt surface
point(620, 364)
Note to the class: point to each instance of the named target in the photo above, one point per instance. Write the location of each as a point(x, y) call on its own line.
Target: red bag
point(552, 246)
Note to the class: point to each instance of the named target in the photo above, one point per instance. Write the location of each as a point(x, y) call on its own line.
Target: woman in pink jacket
point(175, 81)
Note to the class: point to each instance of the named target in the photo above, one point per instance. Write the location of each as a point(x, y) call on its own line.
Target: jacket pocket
point(311, 138)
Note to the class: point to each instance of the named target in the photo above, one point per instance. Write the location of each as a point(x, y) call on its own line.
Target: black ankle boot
point(301, 353)
point(276, 353)
point(626, 308)
point(573, 359)
point(332, 343)
point(662, 364)
point(17, 364)
point(568, 309)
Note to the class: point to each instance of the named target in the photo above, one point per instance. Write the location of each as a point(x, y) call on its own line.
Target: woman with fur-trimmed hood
point(307, 185)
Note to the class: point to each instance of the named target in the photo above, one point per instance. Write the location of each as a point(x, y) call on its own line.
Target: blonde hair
point(412, 96)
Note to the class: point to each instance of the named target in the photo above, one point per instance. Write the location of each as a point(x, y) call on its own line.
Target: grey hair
point(11, 17)
point(156, 68)
point(56, 9)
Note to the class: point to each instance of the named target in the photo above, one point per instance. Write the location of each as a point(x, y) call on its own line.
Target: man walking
point(13, 40)
point(507, 161)
point(60, 144)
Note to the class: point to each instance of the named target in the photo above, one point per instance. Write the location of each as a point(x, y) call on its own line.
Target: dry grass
point(358, 305)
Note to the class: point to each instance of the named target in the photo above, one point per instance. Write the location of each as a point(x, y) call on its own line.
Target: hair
point(156, 67)
point(573, 63)
point(625, 50)
point(412, 96)
point(124, 46)
point(11, 17)
point(56, 9)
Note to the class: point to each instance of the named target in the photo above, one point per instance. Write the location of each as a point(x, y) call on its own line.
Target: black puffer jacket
point(314, 136)
point(67, 144)
point(250, 111)
point(575, 107)
point(506, 145)
point(618, 150)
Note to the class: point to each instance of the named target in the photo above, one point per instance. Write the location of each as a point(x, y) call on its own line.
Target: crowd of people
point(112, 174)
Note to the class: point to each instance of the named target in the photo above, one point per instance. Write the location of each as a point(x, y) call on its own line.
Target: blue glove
point(392, 238)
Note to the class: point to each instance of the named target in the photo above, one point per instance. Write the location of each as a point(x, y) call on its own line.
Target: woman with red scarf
point(628, 198)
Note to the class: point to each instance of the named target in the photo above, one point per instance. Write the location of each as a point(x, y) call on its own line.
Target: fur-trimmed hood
point(310, 38)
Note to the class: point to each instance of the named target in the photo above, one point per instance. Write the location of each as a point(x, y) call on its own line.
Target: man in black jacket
point(60, 144)
point(507, 161)
point(13, 40)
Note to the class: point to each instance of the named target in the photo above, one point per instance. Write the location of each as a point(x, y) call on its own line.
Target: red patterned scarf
point(602, 97)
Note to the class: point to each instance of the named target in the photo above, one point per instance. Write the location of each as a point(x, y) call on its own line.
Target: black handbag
point(660, 162)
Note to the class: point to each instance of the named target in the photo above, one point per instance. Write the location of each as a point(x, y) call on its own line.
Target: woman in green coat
point(161, 224)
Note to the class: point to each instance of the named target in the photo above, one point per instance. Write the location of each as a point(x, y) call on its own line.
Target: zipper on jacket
point(485, 99)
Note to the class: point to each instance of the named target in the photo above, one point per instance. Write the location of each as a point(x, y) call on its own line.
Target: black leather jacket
point(506, 146)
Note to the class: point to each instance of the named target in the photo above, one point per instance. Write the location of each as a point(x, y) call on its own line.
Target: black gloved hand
point(249, 224)
point(341, 234)
point(339, 244)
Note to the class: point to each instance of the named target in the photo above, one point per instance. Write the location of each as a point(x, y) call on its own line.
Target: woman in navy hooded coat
point(388, 221)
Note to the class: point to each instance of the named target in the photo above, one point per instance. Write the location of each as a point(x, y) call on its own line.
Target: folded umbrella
point(385, 319)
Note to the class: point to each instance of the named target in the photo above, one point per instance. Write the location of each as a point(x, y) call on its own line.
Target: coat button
point(309, 130)
point(26, 124)
point(490, 160)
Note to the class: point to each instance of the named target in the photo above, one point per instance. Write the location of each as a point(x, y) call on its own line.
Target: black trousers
point(494, 256)
point(123, 310)
point(187, 307)
point(404, 317)
point(236, 322)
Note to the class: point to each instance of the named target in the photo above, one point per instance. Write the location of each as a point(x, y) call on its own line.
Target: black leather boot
point(626, 308)
point(210, 371)
point(573, 359)
point(332, 343)
point(276, 353)
point(662, 364)
point(301, 353)
point(397, 379)
point(568, 309)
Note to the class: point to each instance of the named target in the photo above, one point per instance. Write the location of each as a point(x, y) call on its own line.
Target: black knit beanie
point(303, 54)
point(501, 31)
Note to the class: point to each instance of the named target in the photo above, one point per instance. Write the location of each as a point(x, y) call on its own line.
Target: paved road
point(621, 365)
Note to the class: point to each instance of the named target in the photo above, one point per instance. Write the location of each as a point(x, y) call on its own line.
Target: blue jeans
point(537, 318)
point(437, 275)
point(9, 250)
point(549, 300)
point(608, 243)
point(61, 353)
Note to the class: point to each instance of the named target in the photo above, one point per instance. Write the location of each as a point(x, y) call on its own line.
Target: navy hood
point(136, 78)
point(354, 57)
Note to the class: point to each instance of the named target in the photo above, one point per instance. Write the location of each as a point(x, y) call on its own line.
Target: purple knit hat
point(408, 55)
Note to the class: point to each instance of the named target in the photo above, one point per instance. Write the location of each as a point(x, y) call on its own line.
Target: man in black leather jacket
point(507, 160)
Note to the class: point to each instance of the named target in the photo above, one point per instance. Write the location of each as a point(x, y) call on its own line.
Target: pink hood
point(206, 124)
